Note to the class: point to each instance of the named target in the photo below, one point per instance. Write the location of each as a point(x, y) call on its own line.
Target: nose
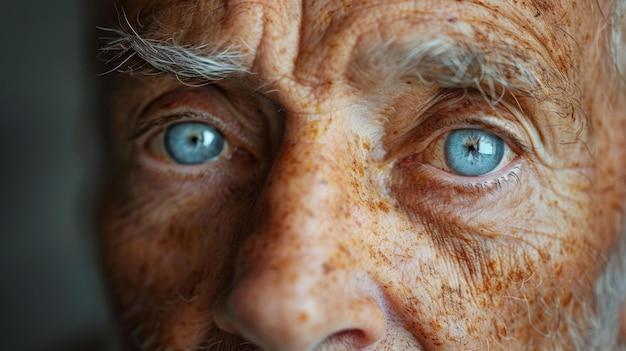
point(300, 281)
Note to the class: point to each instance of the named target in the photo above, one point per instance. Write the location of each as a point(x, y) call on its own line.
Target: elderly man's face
point(379, 175)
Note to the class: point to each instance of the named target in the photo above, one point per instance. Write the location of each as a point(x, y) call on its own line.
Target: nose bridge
point(304, 195)
point(306, 169)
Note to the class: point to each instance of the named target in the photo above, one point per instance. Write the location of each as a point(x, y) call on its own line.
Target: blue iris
point(473, 152)
point(193, 142)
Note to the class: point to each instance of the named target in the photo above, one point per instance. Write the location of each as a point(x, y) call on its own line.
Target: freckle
point(366, 144)
point(326, 268)
point(293, 278)
point(383, 207)
point(303, 317)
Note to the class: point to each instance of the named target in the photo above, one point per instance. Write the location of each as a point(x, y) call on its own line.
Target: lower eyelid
point(434, 178)
point(181, 173)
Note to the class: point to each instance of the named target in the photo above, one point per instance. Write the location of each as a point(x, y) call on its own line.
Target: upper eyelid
point(486, 123)
point(450, 106)
point(213, 105)
point(173, 117)
point(505, 134)
point(233, 132)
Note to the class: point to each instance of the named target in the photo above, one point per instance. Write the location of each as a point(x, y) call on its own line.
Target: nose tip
point(299, 316)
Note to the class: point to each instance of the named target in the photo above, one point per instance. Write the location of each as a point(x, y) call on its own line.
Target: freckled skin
point(311, 237)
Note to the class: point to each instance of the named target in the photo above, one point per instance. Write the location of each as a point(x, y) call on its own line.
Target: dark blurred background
point(50, 293)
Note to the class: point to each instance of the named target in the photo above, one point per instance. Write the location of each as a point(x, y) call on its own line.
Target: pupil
point(472, 146)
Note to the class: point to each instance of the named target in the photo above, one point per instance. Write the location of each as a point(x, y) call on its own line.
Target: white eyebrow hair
point(133, 54)
point(441, 61)
point(450, 64)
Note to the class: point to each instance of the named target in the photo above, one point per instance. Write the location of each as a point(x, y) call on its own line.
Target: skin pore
point(331, 220)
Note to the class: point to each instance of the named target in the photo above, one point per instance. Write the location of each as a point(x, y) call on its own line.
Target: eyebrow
point(449, 63)
point(442, 61)
point(133, 54)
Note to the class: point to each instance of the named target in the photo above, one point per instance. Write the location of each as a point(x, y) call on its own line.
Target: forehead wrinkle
point(171, 18)
point(326, 42)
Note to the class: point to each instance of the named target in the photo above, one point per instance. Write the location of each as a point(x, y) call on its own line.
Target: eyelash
point(430, 178)
point(486, 123)
point(186, 116)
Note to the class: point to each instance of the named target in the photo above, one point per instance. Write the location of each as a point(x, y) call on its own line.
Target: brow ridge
point(449, 63)
point(131, 53)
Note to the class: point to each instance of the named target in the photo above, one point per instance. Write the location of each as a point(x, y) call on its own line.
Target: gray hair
point(618, 38)
point(604, 321)
point(133, 53)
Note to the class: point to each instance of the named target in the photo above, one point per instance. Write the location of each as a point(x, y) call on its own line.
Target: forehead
point(315, 42)
point(315, 21)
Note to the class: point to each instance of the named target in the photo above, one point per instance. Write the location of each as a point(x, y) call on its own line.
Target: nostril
point(247, 346)
point(351, 339)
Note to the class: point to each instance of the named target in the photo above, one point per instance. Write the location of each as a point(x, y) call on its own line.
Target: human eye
point(193, 143)
point(469, 152)
point(191, 132)
point(463, 145)
point(188, 143)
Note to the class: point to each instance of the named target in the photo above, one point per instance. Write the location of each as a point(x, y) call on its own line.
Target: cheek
point(474, 287)
point(504, 263)
point(166, 260)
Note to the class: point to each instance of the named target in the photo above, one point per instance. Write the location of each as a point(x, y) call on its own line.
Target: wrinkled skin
point(327, 226)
